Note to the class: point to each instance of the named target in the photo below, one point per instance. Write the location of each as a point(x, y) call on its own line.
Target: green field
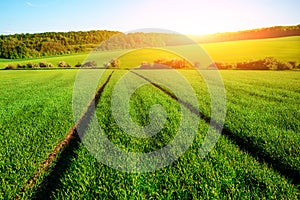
point(35, 116)
point(257, 156)
point(284, 49)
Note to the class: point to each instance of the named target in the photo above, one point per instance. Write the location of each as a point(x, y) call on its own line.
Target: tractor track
point(71, 137)
point(245, 144)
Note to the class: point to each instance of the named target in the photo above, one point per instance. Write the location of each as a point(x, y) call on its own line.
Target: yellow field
point(284, 49)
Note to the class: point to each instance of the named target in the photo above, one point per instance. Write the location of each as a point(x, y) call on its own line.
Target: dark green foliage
point(20, 46)
point(78, 64)
point(268, 63)
point(20, 66)
point(45, 65)
point(29, 65)
point(133, 40)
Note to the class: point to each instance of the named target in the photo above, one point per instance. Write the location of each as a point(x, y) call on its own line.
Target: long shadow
point(245, 143)
point(52, 181)
point(68, 153)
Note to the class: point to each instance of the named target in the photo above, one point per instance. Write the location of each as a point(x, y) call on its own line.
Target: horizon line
point(9, 32)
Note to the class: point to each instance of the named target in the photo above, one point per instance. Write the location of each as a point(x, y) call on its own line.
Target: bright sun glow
point(187, 17)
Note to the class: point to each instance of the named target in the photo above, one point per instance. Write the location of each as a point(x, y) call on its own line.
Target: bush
point(115, 63)
point(10, 66)
point(78, 64)
point(145, 65)
point(21, 66)
point(274, 64)
point(36, 66)
point(43, 64)
point(268, 63)
point(221, 65)
point(175, 63)
point(29, 65)
point(90, 64)
point(63, 64)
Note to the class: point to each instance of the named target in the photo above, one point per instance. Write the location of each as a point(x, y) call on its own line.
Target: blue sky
point(187, 16)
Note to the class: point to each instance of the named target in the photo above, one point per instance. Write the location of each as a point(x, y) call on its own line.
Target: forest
point(260, 33)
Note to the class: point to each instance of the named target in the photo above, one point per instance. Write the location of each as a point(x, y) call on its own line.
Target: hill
point(20, 46)
point(261, 33)
point(284, 49)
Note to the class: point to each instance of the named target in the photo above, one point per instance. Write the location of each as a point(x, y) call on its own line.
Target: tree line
point(260, 33)
point(27, 45)
point(21, 46)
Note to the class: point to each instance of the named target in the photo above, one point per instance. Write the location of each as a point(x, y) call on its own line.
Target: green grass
point(35, 110)
point(72, 60)
point(262, 112)
point(263, 108)
point(284, 49)
point(35, 116)
point(227, 172)
point(256, 159)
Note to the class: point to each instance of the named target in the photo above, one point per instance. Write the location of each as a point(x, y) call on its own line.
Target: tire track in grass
point(71, 140)
point(245, 144)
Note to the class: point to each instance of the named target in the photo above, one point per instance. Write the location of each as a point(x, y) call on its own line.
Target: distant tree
point(115, 63)
point(21, 66)
point(90, 64)
point(43, 64)
point(145, 65)
point(78, 64)
point(174, 63)
point(63, 64)
point(29, 65)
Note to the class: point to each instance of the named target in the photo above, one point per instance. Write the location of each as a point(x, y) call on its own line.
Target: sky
point(183, 16)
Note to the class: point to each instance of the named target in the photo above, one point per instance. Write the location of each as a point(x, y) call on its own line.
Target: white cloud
point(29, 4)
point(35, 5)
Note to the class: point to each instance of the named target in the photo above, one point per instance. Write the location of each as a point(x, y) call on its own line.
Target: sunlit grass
point(284, 49)
point(227, 172)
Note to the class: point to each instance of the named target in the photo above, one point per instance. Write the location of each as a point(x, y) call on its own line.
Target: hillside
point(283, 49)
point(261, 33)
point(20, 46)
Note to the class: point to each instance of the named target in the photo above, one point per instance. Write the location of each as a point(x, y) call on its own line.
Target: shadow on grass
point(68, 154)
point(245, 143)
point(53, 180)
